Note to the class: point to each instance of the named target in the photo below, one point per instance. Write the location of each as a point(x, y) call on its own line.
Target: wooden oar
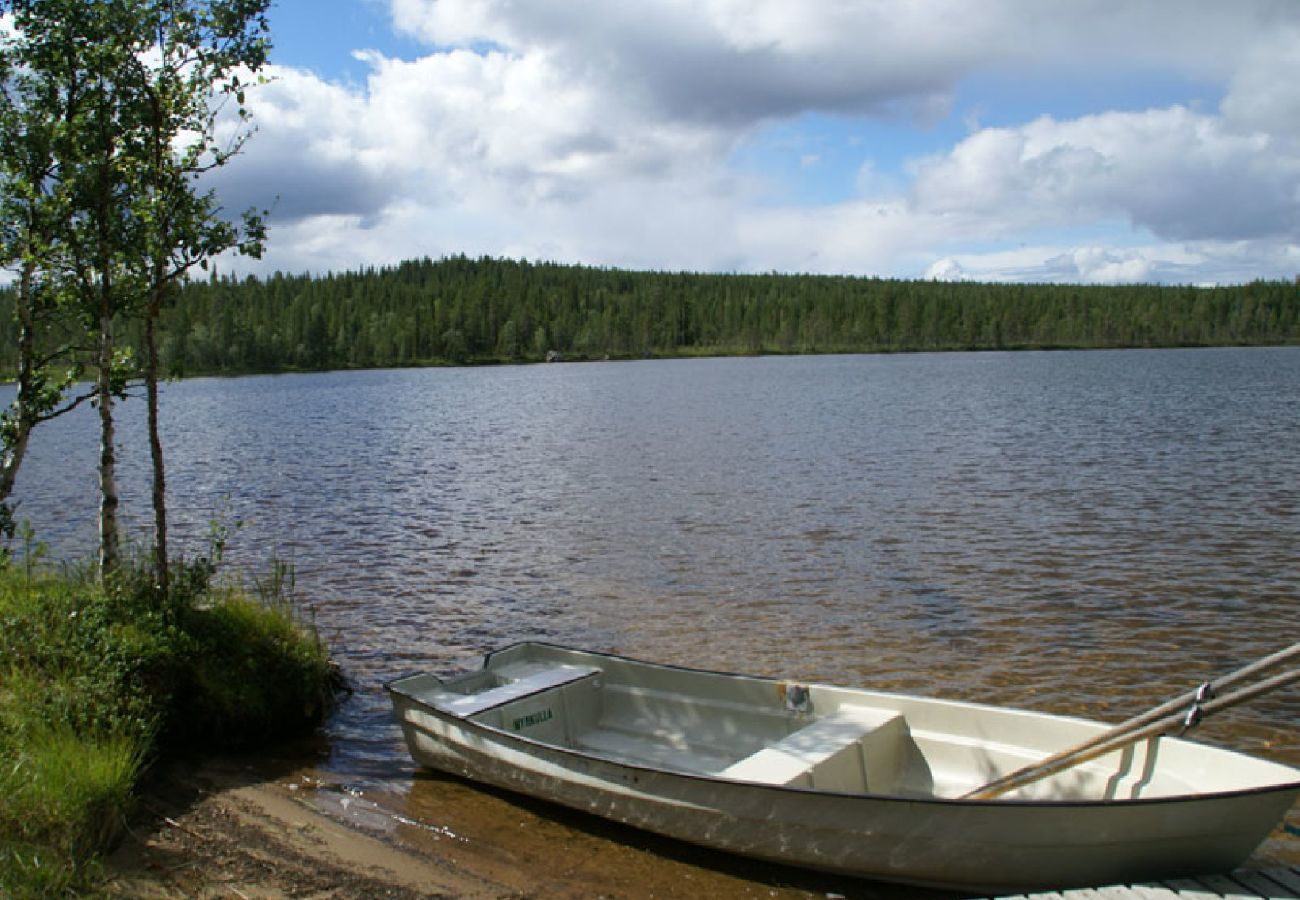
point(1179, 713)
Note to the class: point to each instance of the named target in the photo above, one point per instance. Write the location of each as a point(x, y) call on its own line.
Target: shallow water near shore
point(1086, 533)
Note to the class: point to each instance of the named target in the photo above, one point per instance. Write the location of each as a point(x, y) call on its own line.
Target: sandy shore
point(228, 828)
point(218, 829)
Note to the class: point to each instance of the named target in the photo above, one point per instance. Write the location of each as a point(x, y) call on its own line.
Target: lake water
point(1085, 533)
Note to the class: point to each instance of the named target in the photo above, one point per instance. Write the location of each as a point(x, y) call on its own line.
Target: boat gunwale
point(998, 802)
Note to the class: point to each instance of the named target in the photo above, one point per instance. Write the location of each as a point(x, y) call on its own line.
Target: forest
point(459, 310)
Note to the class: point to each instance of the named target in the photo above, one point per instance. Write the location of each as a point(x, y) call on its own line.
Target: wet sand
point(222, 829)
point(244, 828)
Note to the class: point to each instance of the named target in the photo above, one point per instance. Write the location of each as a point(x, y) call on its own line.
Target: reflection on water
point(1087, 533)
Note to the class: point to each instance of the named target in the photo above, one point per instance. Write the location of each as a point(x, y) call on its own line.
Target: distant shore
point(458, 311)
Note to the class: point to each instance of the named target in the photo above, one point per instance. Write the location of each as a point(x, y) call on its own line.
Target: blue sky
point(321, 35)
point(1081, 140)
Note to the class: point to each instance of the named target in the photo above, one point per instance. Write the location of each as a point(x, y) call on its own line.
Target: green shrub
point(93, 680)
point(252, 673)
point(104, 663)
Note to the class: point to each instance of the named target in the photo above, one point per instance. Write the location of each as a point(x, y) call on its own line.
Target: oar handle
point(1272, 661)
point(1168, 725)
point(1185, 700)
point(1282, 679)
point(1155, 721)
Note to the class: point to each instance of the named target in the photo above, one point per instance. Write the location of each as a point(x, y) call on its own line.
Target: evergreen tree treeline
point(462, 310)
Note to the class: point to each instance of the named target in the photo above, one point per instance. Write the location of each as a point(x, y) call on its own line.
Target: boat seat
point(650, 751)
point(535, 682)
point(832, 753)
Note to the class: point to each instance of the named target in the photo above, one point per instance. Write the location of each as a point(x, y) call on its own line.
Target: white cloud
point(720, 63)
point(602, 132)
point(748, 59)
point(1264, 91)
point(314, 153)
point(946, 269)
point(1202, 263)
point(1180, 174)
point(1098, 264)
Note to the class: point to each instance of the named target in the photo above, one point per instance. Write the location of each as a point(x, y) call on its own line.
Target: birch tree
point(201, 51)
point(32, 214)
point(82, 50)
point(138, 88)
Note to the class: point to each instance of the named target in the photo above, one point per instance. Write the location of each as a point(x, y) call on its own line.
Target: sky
point(1089, 141)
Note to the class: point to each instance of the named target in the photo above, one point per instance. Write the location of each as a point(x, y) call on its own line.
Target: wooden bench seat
point(651, 750)
point(832, 753)
point(526, 685)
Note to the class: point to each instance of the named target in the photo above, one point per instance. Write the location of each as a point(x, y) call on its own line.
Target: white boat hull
point(910, 831)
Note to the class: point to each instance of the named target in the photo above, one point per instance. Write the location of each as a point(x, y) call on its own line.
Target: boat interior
point(805, 736)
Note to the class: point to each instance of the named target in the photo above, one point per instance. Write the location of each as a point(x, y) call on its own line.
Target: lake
point(1083, 532)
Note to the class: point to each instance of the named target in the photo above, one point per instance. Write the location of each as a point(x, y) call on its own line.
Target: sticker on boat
point(532, 719)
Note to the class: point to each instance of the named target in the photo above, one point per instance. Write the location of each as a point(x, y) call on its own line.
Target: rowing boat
point(859, 782)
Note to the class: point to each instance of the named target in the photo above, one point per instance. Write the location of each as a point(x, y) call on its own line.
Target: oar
point(1181, 712)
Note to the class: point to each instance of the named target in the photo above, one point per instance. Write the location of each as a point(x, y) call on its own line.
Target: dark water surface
point(1086, 533)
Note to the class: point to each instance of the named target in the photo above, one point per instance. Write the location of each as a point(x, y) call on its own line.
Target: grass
point(96, 681)
point(63, 799)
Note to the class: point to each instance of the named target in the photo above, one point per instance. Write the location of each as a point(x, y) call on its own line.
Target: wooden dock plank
point(1288, 878)
point(1191, 889)
point(1268, 884)
point(1149, 892)
point(1264, 886)
point(1226, 887)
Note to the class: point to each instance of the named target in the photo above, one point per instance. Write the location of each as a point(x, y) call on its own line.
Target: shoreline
point(261, 827)
point(720, 353)
point(9, 379)
point(243, 838)
point(224, 828)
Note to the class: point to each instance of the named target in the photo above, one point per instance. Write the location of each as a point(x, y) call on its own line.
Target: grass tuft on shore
point(256, 670)
point(95, 681)
point(63, 799)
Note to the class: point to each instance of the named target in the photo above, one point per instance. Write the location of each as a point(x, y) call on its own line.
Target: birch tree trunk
point(109, 546)
point(162, 574)
point(19, 424)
